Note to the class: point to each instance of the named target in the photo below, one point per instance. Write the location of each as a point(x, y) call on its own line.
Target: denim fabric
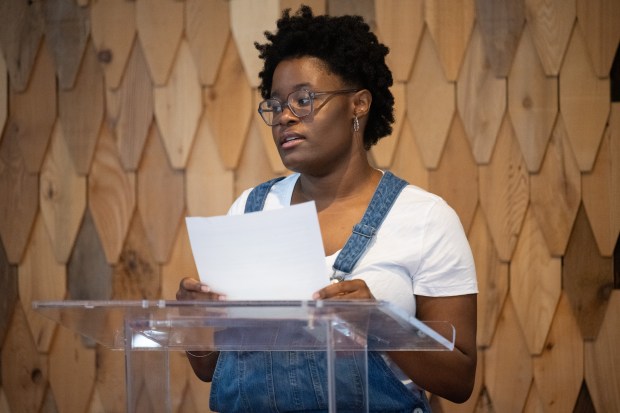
point(289, 381)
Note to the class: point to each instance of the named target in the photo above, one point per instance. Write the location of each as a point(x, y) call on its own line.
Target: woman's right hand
point(192, 289)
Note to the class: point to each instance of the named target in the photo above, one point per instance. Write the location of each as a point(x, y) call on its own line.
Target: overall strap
point(385, 195)
point(258, 195)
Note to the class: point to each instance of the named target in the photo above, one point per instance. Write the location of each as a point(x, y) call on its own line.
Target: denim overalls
point(284, 381)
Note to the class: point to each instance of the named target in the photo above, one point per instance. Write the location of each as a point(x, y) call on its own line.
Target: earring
point(356, 124)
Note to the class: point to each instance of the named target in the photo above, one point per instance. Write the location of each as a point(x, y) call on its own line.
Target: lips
point(288, 139)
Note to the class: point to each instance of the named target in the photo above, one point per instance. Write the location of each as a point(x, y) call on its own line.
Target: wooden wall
point(118, 118)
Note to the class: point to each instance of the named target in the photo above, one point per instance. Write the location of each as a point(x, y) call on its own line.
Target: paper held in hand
point(267, 255)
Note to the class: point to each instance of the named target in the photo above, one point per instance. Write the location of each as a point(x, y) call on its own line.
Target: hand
point(192, 289)
point(345, 290)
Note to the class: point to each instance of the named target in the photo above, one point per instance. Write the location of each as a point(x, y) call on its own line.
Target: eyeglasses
point(300, 102)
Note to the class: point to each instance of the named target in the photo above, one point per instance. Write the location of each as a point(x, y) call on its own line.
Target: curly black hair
point(348, 48)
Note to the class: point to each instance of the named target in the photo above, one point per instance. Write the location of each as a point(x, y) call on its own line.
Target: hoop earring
point(356, 124)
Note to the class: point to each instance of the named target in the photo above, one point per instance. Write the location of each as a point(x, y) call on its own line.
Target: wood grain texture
point(614, 148)
point(113, 31)
point(67, 28)
point(111, 196)
point(584, 102)
point(130, 110)
point(318, 6)
point(587, 278)
point(207, 28)
point(532, 103)
point(160, 27)
point(556, 192)
point(400, 24)
point(535, 284)
point(450, 24)
point(407, 161)
point(456, 177)
point(602, 361)
point(383, 152)
point(557, 386)
point(110, 380)
point(180, 265)
point(430, 103)
point(20, 196)
point(89, 276)
point(504, 192)
point(506, 377)
point(550, 23)
point(501, 23)
point(206, 176)
point(10, 297)
point(160, 216)
point(21, 30)
point(248, 21)
point(72, 370)
point(80, 110)
point(599, 21)
point(481, 100)
point(33, 112)
point(228, 107)
point(24, 372)
point(492, 277)
point(178, 106)
point(4, 94)
point(40, 278)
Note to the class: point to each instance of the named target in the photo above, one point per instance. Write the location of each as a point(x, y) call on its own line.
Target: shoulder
point(278, 196)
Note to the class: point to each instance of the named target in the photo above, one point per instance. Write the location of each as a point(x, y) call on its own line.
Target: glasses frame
point(312, 96)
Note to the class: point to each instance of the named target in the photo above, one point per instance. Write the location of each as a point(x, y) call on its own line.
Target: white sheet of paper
point(267, 255)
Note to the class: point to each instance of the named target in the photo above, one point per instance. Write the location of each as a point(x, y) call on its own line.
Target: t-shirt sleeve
point(447, 266)
point(238, 207)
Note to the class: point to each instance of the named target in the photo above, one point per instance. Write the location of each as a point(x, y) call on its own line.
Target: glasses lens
point(301, 103)
point(269, 109)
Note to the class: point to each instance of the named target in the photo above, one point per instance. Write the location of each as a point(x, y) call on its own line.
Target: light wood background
point(118, 118)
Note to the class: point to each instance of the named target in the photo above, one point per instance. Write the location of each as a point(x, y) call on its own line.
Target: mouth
point(288, 140)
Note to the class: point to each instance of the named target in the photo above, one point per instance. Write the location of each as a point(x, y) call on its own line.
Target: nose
point(287, 116)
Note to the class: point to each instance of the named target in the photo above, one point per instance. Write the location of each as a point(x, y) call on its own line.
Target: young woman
point(327, 101)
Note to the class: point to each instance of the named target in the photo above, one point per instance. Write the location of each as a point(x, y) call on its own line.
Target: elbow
point(462, 390)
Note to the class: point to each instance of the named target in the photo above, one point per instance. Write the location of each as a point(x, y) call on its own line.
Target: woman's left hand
point(345, 290)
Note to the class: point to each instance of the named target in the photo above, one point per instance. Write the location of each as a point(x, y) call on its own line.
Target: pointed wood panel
point(532, 103)
point(111, 196)
point(20, 196)
point(207, 27)
point(160, 216)
point(584, 102)
point(407, 161)
point(507, 378)
point(603, 361)
point(71, 371)
point(178, 106)
point(504, 192)
point(89, 277)
point(24, 373)
point(180, 265)
point(4, 94)
point(67, 28)
point(535, 284)
point(550, 22)
point(492, 277)
point(383, 152)
point(399, 26)
point(364, 8)
point(481, 100)
point(33, 112)
point(248, 21)
point(254, 166)
point(81, 112)
point(501, 23)
point(8, 286)
point(130, 110)
point(318, 6)
point(430, 103)
point(40, 278)
point(62, 197)
point(559, 388)
point(110, 380)
point(113, 46)
point(160, 27)
point(587, 278)
point(205, 176)
point(599, 22)
point(556, 192)
point(228, 106)
point(614, 145)
point(21, 30)
point(450, 24)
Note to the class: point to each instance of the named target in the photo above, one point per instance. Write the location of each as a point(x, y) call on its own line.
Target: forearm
point(203, 363)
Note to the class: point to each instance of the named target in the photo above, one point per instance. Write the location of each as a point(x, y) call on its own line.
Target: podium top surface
point(248, 325)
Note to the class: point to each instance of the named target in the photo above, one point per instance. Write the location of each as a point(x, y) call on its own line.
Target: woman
point(327, 100)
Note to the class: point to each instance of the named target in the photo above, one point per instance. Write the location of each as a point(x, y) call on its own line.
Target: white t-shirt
point(420, 248)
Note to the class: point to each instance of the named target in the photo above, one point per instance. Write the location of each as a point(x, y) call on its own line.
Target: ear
point(361, 102)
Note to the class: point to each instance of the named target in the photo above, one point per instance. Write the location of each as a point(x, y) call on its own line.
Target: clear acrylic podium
point(148, 330)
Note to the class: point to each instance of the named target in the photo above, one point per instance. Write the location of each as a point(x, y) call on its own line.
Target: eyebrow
point(295, 88)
